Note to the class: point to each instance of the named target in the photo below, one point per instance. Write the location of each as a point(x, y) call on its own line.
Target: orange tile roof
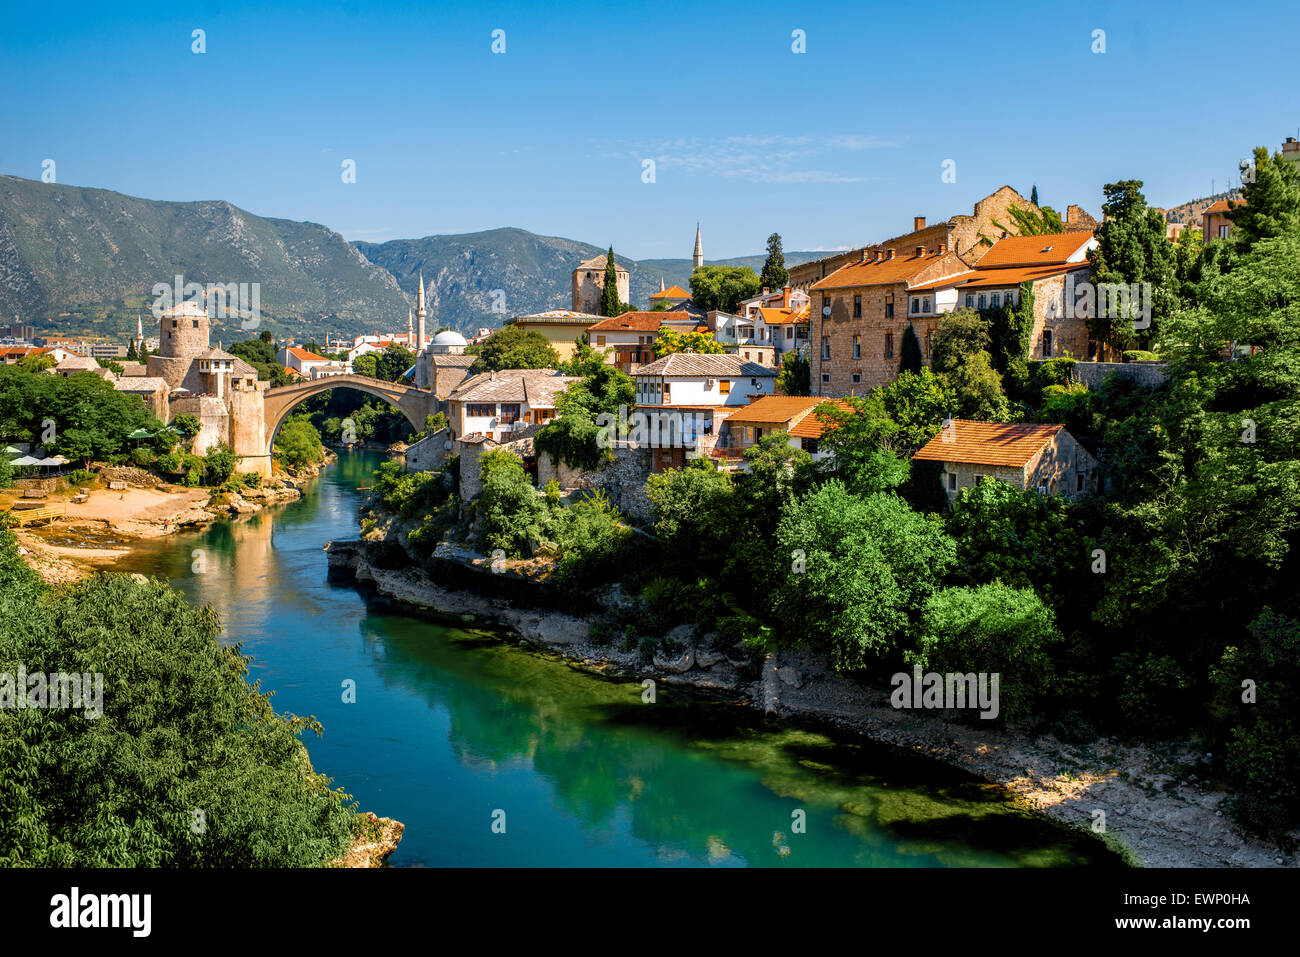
point(900, 269)
point(1000, 278)
point(1008, 444)
point(1222, 206)
point(1034, 250)
point(776, 408)
point(783, 317)
point(813, 426)
point(629, 322)
point(672, 292)
point(304, 354)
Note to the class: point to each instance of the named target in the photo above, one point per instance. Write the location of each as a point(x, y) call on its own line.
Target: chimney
point(890, 254)
point(920, 251)
point(918, 223)
point(943, 248)
point(868, 256)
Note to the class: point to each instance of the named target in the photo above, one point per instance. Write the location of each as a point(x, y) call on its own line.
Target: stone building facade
point(221, 390)
point(589, 284)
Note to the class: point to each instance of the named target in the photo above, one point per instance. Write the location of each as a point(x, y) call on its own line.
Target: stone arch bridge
point(414, 403)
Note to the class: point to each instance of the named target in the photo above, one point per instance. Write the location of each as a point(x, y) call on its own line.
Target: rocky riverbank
point(1151, 802)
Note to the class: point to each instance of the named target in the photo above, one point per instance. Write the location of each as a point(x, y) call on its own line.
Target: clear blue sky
point(832, 147)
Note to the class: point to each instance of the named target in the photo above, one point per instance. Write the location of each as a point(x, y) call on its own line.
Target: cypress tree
point(775, 275)
point(609, 301)
point(909, 355)
point(1033, 195)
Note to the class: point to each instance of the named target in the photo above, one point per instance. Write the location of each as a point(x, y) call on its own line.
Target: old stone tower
point(221, 390)
point(589, 283)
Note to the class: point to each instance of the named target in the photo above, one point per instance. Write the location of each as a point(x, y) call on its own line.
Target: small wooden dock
point(46, 513)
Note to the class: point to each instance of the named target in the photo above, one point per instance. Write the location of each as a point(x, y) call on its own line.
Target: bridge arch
point(278, 402)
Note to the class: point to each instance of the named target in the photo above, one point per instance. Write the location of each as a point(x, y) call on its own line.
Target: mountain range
point(84, 261)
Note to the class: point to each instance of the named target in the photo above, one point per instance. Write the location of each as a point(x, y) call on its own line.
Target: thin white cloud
point(759, 158)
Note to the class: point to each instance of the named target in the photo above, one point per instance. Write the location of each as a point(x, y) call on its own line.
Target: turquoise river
point(452, 726)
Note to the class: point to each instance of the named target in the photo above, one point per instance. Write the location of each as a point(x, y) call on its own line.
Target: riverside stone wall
point(1093, 374)
point(624, 481)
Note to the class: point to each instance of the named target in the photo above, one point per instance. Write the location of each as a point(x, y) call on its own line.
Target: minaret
point(661, 282)
point(419, 316)
point(139, 335)
point(697, 260)
point(410, 331)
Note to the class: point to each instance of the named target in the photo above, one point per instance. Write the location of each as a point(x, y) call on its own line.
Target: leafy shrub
point(991, 629)
point(169, 463)
point(181, 729)
point(143, 457)
point(511, 509)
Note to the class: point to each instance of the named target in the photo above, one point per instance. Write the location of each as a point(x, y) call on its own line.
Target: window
point(929, 340)
point(857, 346)
point(916, 306)
point(857, 307)
point(826, 378)
point(484, 411)
point(194, 323)
point(826, 347)
point(889, 305)
point(977, 478)
point(826, 304)
point(809, 445)
point(889, 345)
point(1047, 343)
point(970, 300)
point(857, 377)
point(174, 323)
point(600, 340)
point(1078, 482)
point(952, 481)
point(1010, 299)
point(509, 413)
point(1223, 232)
point(749, 434)
point(724, 386)
point(983, 300)
point(789, 332)
point(925, 304)
point(997, 299)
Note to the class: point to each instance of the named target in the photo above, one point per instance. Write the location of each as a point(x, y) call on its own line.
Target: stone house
point(300, 360)
point(1056, 265)
point(1029, 456)
point(1215, 223)
point(699, 391)
point(792, 414)
point(861, 313)
point(627, 341)
point(502, 403)
point(589, 284)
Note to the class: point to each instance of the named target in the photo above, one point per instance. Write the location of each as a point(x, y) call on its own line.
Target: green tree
point(918, 403)
point(394, 361)
point(859, 436)
point(774, 275)
point(1132, 249)
point(1270, 202)
point(1033, 195)
point(512, 511)
point(181, 729)
point(669, 341)
point(366, 364)
point(609, 301)
point(909, 355)
point(992, 629)
point(795, 377)
point(298, 443)
point(960, 354)
point(867, 567)
point(513, 347)
point(723, 287)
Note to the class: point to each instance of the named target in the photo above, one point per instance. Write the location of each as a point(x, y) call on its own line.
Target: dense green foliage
point(188, 765)
point(774, 275)
point(795, 377)
point(669, 341)
point(513, 347)
point(298, 443)
point(723, 287)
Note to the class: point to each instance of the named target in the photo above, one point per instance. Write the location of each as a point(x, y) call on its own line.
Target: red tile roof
point(1008, 444)
point(1000, 278)
point(305, 355)
point(776, 408)
point(629, 322)
point(1222, 206)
